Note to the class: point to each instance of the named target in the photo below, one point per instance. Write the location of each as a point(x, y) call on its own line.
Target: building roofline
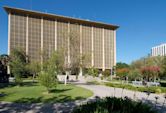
point(49, 15)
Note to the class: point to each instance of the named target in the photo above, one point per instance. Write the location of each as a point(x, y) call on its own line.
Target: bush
point(163, 84)
point(47, 80)
point(114, 105)
point(151, 89)
point(93, 72)
point(106, 73)
point(158, 90)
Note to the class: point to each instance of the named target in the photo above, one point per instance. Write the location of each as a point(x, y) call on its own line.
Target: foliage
point(106, 73)
point(158, 90)
point(123, 72)
point(93, 72)
point(151, 89)
point(18, 64)
point(48, 76)
point(150, 72)
point(121, 65)
point(47, 80)
point(163, 68)
point(114, 105)
point(134, 74)
point(34, 68)
point(150, 67)
point(163, 83)
point(76, 60)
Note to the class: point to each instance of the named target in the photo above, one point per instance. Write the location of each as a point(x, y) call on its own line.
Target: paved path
point(99, 90)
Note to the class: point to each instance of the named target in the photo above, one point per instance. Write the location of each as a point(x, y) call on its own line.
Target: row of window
point(18, 34)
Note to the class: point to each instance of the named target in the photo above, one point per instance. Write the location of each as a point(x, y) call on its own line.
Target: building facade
point(35, 31)
point(159, 50)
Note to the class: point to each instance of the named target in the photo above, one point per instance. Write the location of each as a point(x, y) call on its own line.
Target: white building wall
point(159, 50)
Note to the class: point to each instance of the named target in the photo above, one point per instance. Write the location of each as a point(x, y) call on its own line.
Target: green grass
point(35, 93)
point(151, 89)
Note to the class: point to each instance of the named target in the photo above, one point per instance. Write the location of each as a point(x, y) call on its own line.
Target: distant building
point(159, 50)
point(35, 31)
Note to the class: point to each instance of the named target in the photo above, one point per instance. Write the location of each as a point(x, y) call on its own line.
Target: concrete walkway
point(104, 91)
point(99, 90)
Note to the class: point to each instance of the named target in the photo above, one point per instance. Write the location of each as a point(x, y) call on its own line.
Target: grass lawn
point(35, 93)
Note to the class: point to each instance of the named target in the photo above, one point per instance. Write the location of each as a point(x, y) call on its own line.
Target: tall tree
point(48, 75)
point(163, 68)
point(121, 65)
point(18, 64)
point(34, 67)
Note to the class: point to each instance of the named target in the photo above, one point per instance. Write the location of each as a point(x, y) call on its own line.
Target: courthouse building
point(159, 50)
point(35, 31)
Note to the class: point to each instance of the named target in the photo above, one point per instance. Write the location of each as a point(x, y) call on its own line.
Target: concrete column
point(114, 48)
point(155, 51)
point(69, 42)
point(162, 50)
point(27, 18)
point(9, 17)
point(42, 39)
point(103, 69)
point(55, 35)
point(92, 48)
point(80, 73)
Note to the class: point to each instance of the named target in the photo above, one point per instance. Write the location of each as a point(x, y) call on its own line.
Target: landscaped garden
point(43, 85)
point(114, 105)
point(30, 92)
point(151, 89)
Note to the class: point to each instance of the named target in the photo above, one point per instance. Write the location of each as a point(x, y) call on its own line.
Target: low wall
point(61, 78)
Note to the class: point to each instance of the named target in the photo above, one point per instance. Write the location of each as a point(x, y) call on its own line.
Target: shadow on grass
point(53, 107)
point(12, 84)
point(59, 90)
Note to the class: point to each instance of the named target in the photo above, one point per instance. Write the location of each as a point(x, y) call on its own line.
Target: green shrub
point(151, 89)
point(106, 73)
point(158, 90)
point(47, 80)
point(163, 84)
point(93, 72)
point(114, 105)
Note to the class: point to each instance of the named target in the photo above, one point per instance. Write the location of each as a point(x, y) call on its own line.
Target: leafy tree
point(150, 72)
point(47, 80)
point(34, 67)
point(134, 74)
point(122, 73)
point(106, 73)
point(48, 76)
point(121, 65)
point(93, 72)
point(18, 64)
point(163, 67)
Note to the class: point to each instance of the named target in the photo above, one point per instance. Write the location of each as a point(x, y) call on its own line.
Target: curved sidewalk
point(98, 90)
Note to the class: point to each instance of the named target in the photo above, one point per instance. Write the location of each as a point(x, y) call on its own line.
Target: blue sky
point(142, 22)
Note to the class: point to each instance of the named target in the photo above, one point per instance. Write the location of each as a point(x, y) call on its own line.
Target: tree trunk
point(33, 78)
point(66, 77)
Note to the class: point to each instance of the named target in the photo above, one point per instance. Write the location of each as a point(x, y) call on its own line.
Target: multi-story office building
point(35, 31)
point(159, 50)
